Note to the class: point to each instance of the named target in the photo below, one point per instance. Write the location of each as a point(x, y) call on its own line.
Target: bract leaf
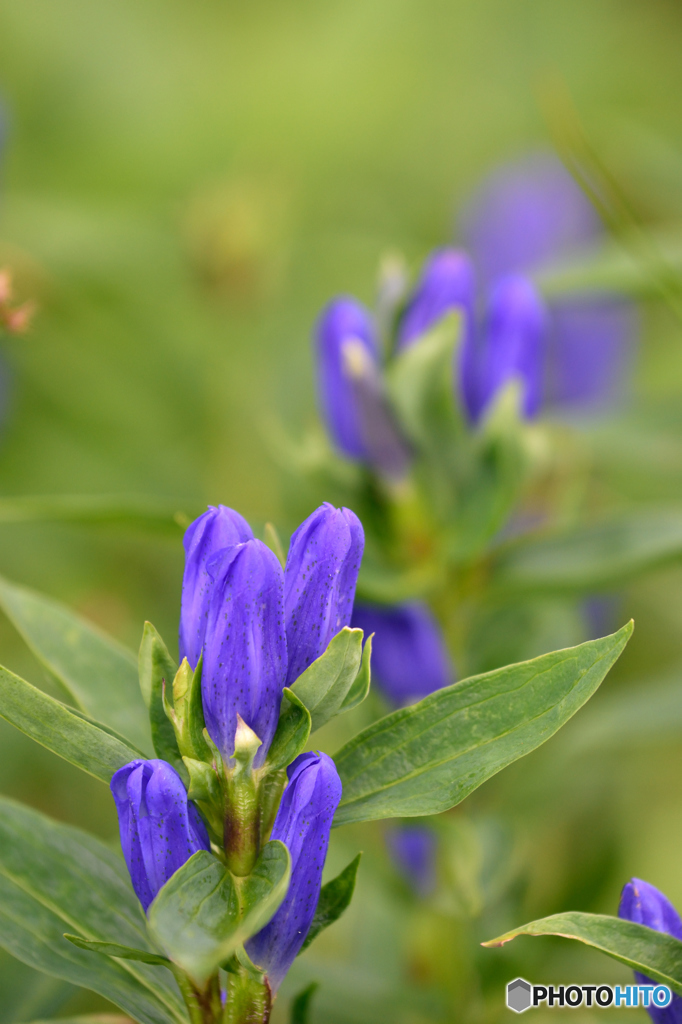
point(360, 688)
point(156, 667)
point(114, 949)
point(293, 730)
point(335, 897)
point(324, 684)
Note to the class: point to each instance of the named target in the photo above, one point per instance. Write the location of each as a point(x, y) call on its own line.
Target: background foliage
point(183, 186)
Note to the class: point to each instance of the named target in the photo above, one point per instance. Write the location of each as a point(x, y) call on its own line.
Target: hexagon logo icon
point(519, 995)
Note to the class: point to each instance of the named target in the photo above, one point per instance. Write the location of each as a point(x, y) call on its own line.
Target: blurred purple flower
point(644, 904)
point(303, 824)
point(160, 828)
point(351, 389)
point(412, 849)
point(319, 582)
point(507, 343)
point(529, 214)
point(409, 657)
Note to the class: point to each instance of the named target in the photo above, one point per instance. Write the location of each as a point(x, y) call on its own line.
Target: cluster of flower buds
point(248, 630)
point(644, 904)
point(507, 342)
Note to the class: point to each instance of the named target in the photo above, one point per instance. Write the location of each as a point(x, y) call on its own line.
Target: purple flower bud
point(412, 849)
point(644, 904)
point(529, 214)
point(446, 283)
point(303, 824)
point(512, 346)
point(319, 582)
point(160, 828)
point(216, 529)
point(343, 327)
point(409, 658)
point(245, 648)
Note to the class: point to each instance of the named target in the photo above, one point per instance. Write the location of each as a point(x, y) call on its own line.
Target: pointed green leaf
point(595, 557)
point(114, 949)
point(655, 954)
point(325, 684)
point(96, 671)
point(430, 756)
point(63, 730)
point(360, 688)
point(55, 878)
point(131, 510)
point(293, 730)
point(87, 1018)
point(300, 1004)
point(335, 897)
point(202, 914)
point(156, 667)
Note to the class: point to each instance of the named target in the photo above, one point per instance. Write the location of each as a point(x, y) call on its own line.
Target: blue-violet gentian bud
point(412, 849)
point(319, 583)
point(303, 824)
point(216, 529)
point(160, 828)
point(345, 327)
point(512, 345)
point(644, 904)
point(446, 283)
point(409, 657)
point(245, 648)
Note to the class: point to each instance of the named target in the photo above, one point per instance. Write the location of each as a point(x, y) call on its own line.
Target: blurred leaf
point(324, 685)
point(63, 730)
point(360, 688)
point(430, 756)
point(655, 954)
point(300, 1004)
point(97, 672)
point(596, 557)
point(335, 897)
point(114, 949)
point(199, 918)
point(55, 878)
point(87, 1018)
point(291, 736)
point(155, 666)
point(137, 511)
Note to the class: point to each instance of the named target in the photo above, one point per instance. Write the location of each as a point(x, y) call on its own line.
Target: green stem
point(249, 999)
point(204, 1005)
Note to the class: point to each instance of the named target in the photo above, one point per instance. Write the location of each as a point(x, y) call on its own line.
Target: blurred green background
point(184, 184)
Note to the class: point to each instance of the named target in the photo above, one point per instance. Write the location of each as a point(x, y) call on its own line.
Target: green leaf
point(324, 684)
point(300, 1004)
point(360, 688)
point(421, 386)
point(97, 672)
point(202, 914)
point(430, 756)
point(55, 878)
point(124, 952)
point(335, 897)
point(596, 557)
point(63, 730)
point(87, 1018)
point(131, 510)
point(655, 954)
point(156, 667)
point(293, 730)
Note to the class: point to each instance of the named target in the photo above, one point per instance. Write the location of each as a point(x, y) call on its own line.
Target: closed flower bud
point(160, 828)
point(446, 284)
point(511, 347)
point(303, 824)
point(245, 649)
point(343, 322)
point(216, 529)
point(409, 658)
point(644, 904)
point(319, 582)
